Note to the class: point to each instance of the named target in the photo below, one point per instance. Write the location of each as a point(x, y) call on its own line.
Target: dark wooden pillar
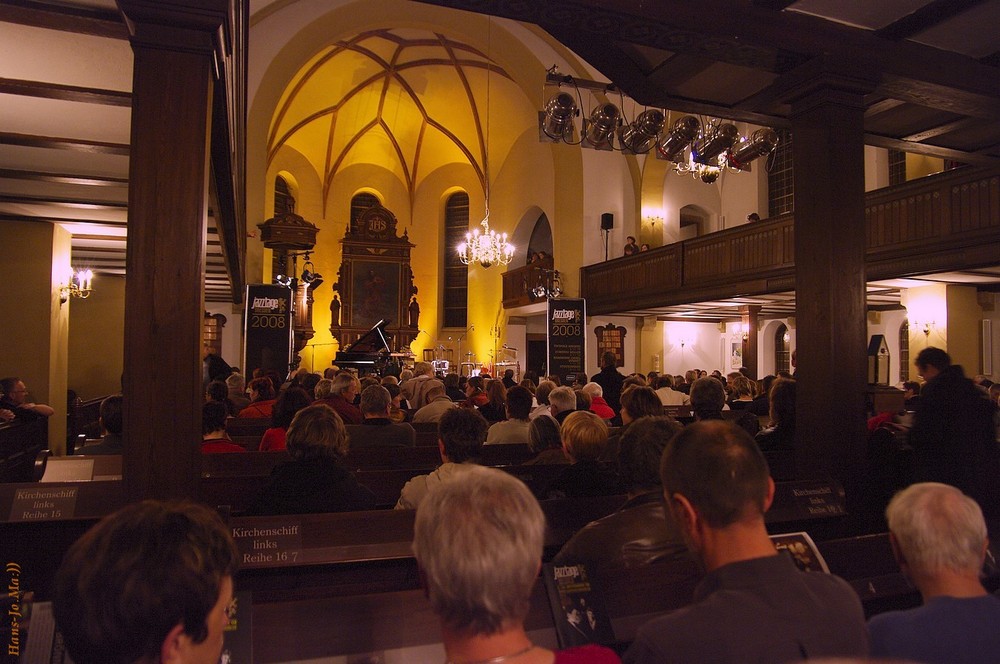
point(828, 153)
point(168, 197)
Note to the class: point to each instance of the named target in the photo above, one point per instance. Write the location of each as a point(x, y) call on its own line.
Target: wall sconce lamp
point(742, 331)
point(684, 341)
point(80, 285)
point(924, 326)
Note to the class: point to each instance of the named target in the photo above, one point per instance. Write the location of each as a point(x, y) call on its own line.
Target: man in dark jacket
point(952, 436)
point(611, 381)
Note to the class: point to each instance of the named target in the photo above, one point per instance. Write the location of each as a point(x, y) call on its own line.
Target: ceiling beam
point(63, 178)
point(75, 202)
point(62, 143)
point(933, 150)
point(924, 18)
point(946, 128)
point(81, 20)
point(12, 86)
point(48, 219)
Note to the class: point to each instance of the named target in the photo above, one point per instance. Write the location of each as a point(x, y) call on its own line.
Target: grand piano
point(370, 354)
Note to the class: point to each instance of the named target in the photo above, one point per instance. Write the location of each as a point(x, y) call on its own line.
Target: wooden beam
point(42, 90)
point(946, 128)
point(77, 203)
point(81, 20)
point(882, 106)
point(924, 18)
point(63, 143)
point(63, 178)
point(933, 150)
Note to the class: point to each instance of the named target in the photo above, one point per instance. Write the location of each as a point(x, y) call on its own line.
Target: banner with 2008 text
point(267, 332)
point(567, 341)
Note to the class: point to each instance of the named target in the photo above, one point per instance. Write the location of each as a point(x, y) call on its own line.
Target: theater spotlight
point(600, 129)
point(685, 130)
point(760, 144)
point(557, 119)
point(283, 280)
point(641, 135)
point(714, 144)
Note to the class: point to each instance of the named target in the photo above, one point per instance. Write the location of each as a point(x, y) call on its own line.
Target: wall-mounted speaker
point(607, 221)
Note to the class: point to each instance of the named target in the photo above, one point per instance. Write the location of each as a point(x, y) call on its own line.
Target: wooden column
point(749, 317)
point(828, 153)
point(168, 198)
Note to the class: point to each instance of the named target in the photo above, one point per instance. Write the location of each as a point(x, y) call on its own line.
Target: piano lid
point(373, 341)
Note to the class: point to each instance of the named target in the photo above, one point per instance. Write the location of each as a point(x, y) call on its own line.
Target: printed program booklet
point(577, 610)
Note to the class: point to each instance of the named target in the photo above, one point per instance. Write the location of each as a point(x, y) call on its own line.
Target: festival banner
point(267, 331)
point(567, 341)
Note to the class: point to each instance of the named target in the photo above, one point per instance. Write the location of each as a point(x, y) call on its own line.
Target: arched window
point(359, 204)
point(284, 203)
point(780, 188)
point(782, 356)
point(541, 237)
point(694, 222)
point(904, 351)
point(456, 274)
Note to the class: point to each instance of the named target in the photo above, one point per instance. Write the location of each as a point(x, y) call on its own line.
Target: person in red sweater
point(340, 394)
point(261, 398)
point(290, 402)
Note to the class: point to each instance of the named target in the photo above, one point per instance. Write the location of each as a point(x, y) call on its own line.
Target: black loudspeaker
point(607, 221)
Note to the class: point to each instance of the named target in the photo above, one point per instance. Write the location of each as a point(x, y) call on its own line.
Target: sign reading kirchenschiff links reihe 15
point(567, 341)
point(267, 320)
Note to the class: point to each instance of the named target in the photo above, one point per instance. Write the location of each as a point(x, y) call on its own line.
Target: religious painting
point(611, 339)
point(375, 289)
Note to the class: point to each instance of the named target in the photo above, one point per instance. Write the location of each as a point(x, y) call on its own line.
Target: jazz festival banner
point(567, 341)
point(267, 321)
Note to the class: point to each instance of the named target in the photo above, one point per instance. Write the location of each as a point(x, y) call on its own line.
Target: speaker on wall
point(607, 221)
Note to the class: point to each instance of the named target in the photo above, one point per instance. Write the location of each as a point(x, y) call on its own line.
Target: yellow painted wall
point(35, 347)
point(97, 339)
point(919, 165)
point(964, 316)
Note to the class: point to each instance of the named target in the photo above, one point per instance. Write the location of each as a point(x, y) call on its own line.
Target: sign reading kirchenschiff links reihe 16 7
point(567, 341)
point(267, 322)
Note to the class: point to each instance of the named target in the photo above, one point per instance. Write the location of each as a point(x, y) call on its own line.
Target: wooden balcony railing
point(519, 283)
point(943, 222)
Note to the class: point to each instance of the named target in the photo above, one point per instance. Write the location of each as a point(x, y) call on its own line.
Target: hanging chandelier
point(487, 247)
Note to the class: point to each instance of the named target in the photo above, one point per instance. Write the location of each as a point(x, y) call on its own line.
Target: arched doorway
point(782, 354)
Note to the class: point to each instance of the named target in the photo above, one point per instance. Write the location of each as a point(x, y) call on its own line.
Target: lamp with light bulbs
point(80, 285)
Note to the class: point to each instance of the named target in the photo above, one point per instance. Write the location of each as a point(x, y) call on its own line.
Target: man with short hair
point(611, 381)
point(753, 605)
point(708, 400)
point(14, 399)
point(377, 429)
point(461, 433)
point(668, 395)
point(938, 536)
point(111, 421)
point(562, 402)
point(153, 582)
point(515, 428)
point(345, 388)
point(438, 403)
point(638, 533)
point(953, 435)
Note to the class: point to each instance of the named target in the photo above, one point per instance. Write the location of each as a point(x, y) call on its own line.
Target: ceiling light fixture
point(488, 248)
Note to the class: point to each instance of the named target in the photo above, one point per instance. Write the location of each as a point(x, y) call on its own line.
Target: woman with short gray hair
point(478, 541)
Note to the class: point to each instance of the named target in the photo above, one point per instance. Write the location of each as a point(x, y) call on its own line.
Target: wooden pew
point(20, 443)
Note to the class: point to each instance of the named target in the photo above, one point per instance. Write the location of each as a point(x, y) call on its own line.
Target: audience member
point(562, 402)
point(495, 409)
point(236, 384)
point(668, 395)
point(438, 403)
point(741, 393)
point(451, 388)
point(598, 405)
point(542, 399)
point(781, 434)
point(217, 390)
point(315, 480)
point(340, 398)
point(938, 536)
point(152, 582)
point(290, 402)
point(308, 383)
point(475, 395)
point(110, 420)
point(761, 405)
point(214, 439)
point(478, 544)
point(953, 435)
point(546, 443)
point(911, 394)
point(461, 434)
point(638, 533)
point(637, 402)
point(708, 399)
point(753, 605)
point(630, 246)
point(508, 378)
point(515, 428)
point(14, 399)
point(415, 389)
point(377, 429)
point(262, 399)
point(610, 380)
point(397, 413)
point(584, 437)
